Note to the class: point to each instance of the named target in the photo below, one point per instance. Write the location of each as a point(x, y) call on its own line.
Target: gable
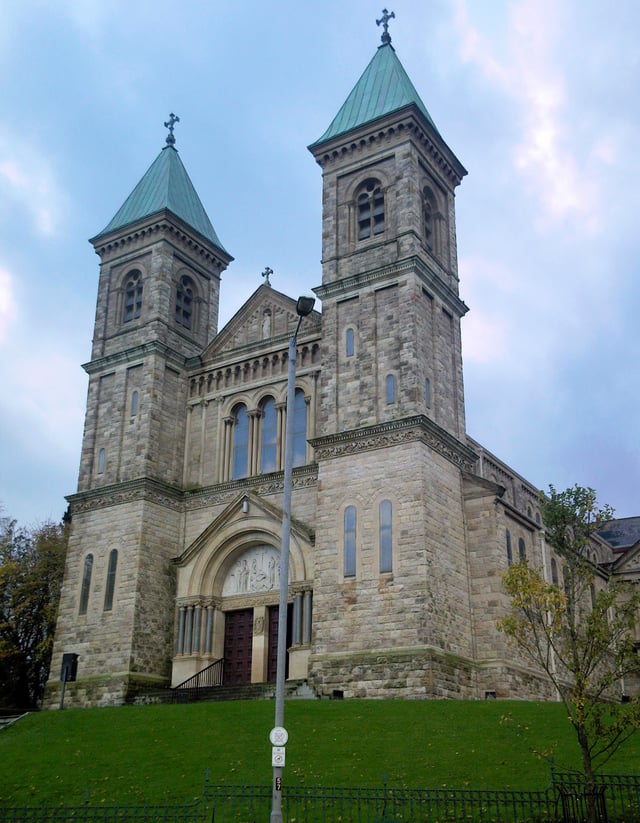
point(267, 316)
point(246, 509)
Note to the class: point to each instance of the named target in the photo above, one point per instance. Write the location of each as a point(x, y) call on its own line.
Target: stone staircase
point(294, 689)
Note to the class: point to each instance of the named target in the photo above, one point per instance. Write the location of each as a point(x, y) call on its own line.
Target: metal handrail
point(210, 676)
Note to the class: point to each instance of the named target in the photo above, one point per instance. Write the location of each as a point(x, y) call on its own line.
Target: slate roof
point(384, 87)
point(621, 534)
point(165, 185)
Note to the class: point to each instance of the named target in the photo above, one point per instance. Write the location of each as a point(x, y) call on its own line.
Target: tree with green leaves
point(580, 633)
point(31, 569)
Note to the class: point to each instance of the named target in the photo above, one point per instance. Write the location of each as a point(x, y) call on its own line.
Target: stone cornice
point(135, 354)
point(117, 494)
point(154, 491)
point(162, 225)
point(395, 433)
point(404, 124)
point(261, 484)
point(411, 265)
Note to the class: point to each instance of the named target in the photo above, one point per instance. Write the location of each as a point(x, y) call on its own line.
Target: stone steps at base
point(294, 689)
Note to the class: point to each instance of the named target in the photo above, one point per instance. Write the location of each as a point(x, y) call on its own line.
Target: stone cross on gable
point(173, 119)
point(267, 274)
point(384, 20)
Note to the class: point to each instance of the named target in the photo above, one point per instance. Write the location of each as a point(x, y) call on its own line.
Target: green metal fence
point(563, 801)
point(322, 805)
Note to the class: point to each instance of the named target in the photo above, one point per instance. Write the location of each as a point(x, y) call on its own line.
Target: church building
point(402, 525)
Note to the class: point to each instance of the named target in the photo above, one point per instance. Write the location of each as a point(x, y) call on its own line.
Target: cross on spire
point(173, 119)
point(384, 20)
point(267, 274)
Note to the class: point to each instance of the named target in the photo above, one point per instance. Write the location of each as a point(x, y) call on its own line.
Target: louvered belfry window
point(184, 302)
point(132, 297)
point(370, 209)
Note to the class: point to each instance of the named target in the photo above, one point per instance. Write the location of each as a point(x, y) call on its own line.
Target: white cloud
point(7, 304)
point(531, 75)
point(27, 179)
point(47, 421)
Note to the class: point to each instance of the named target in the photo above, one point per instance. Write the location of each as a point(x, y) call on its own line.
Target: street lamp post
point(304, 307)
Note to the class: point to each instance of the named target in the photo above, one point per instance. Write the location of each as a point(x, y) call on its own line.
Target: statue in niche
point(266, 324)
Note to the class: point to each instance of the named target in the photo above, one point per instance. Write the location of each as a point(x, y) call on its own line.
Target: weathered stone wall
point(134, 636)
point(424, 601)
point(391, 673)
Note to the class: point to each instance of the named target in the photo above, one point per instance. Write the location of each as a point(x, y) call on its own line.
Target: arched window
point(132, 297)
point(134, 404)
point(522, 550)
point(299, 429)
point(350, 523)
point(390, 385)
point(86, 584)
point(529, 512)
point(370, 203)
point(349, 343)
point(184, 302)
point(110, 585)
point(102, 457)
point(240, 457)
point(509, 549)
point(554, 572)
point(428, 217)
point(269, 436)
point(385, 536)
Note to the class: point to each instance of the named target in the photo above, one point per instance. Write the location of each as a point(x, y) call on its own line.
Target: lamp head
point(305, 305)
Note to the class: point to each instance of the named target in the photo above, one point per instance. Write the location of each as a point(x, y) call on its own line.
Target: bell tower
point(158, 298)
point(157, 307)
point(390, 548)
point(389, 264)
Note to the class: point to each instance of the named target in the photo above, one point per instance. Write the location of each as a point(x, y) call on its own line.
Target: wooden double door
point(238, 645)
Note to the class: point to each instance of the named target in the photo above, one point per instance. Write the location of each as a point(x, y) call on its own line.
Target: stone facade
point(402, 525)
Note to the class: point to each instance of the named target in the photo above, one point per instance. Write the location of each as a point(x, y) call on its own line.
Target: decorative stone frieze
point(128, 492)
point(396, 432)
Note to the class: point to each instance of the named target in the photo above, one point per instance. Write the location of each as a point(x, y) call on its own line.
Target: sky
point(537, 98)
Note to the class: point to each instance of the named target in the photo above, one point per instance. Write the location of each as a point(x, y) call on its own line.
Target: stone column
point(208, 631)
point(224, 465)
point(197, 622)
point(307, 614)
point(188, 629)
point(280, 427)
point(254, 441)
point(297, 619)
point(181, 616)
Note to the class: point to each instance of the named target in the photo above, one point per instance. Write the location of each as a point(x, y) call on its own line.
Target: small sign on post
point(278, 756)
point(278, 736)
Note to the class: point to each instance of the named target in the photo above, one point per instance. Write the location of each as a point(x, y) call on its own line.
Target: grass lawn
point(161, 753)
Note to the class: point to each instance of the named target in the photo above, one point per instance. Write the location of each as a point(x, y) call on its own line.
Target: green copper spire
point(383, 88)
point(165, 186)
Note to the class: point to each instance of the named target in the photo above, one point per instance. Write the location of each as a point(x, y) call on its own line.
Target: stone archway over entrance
point(228, 587)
